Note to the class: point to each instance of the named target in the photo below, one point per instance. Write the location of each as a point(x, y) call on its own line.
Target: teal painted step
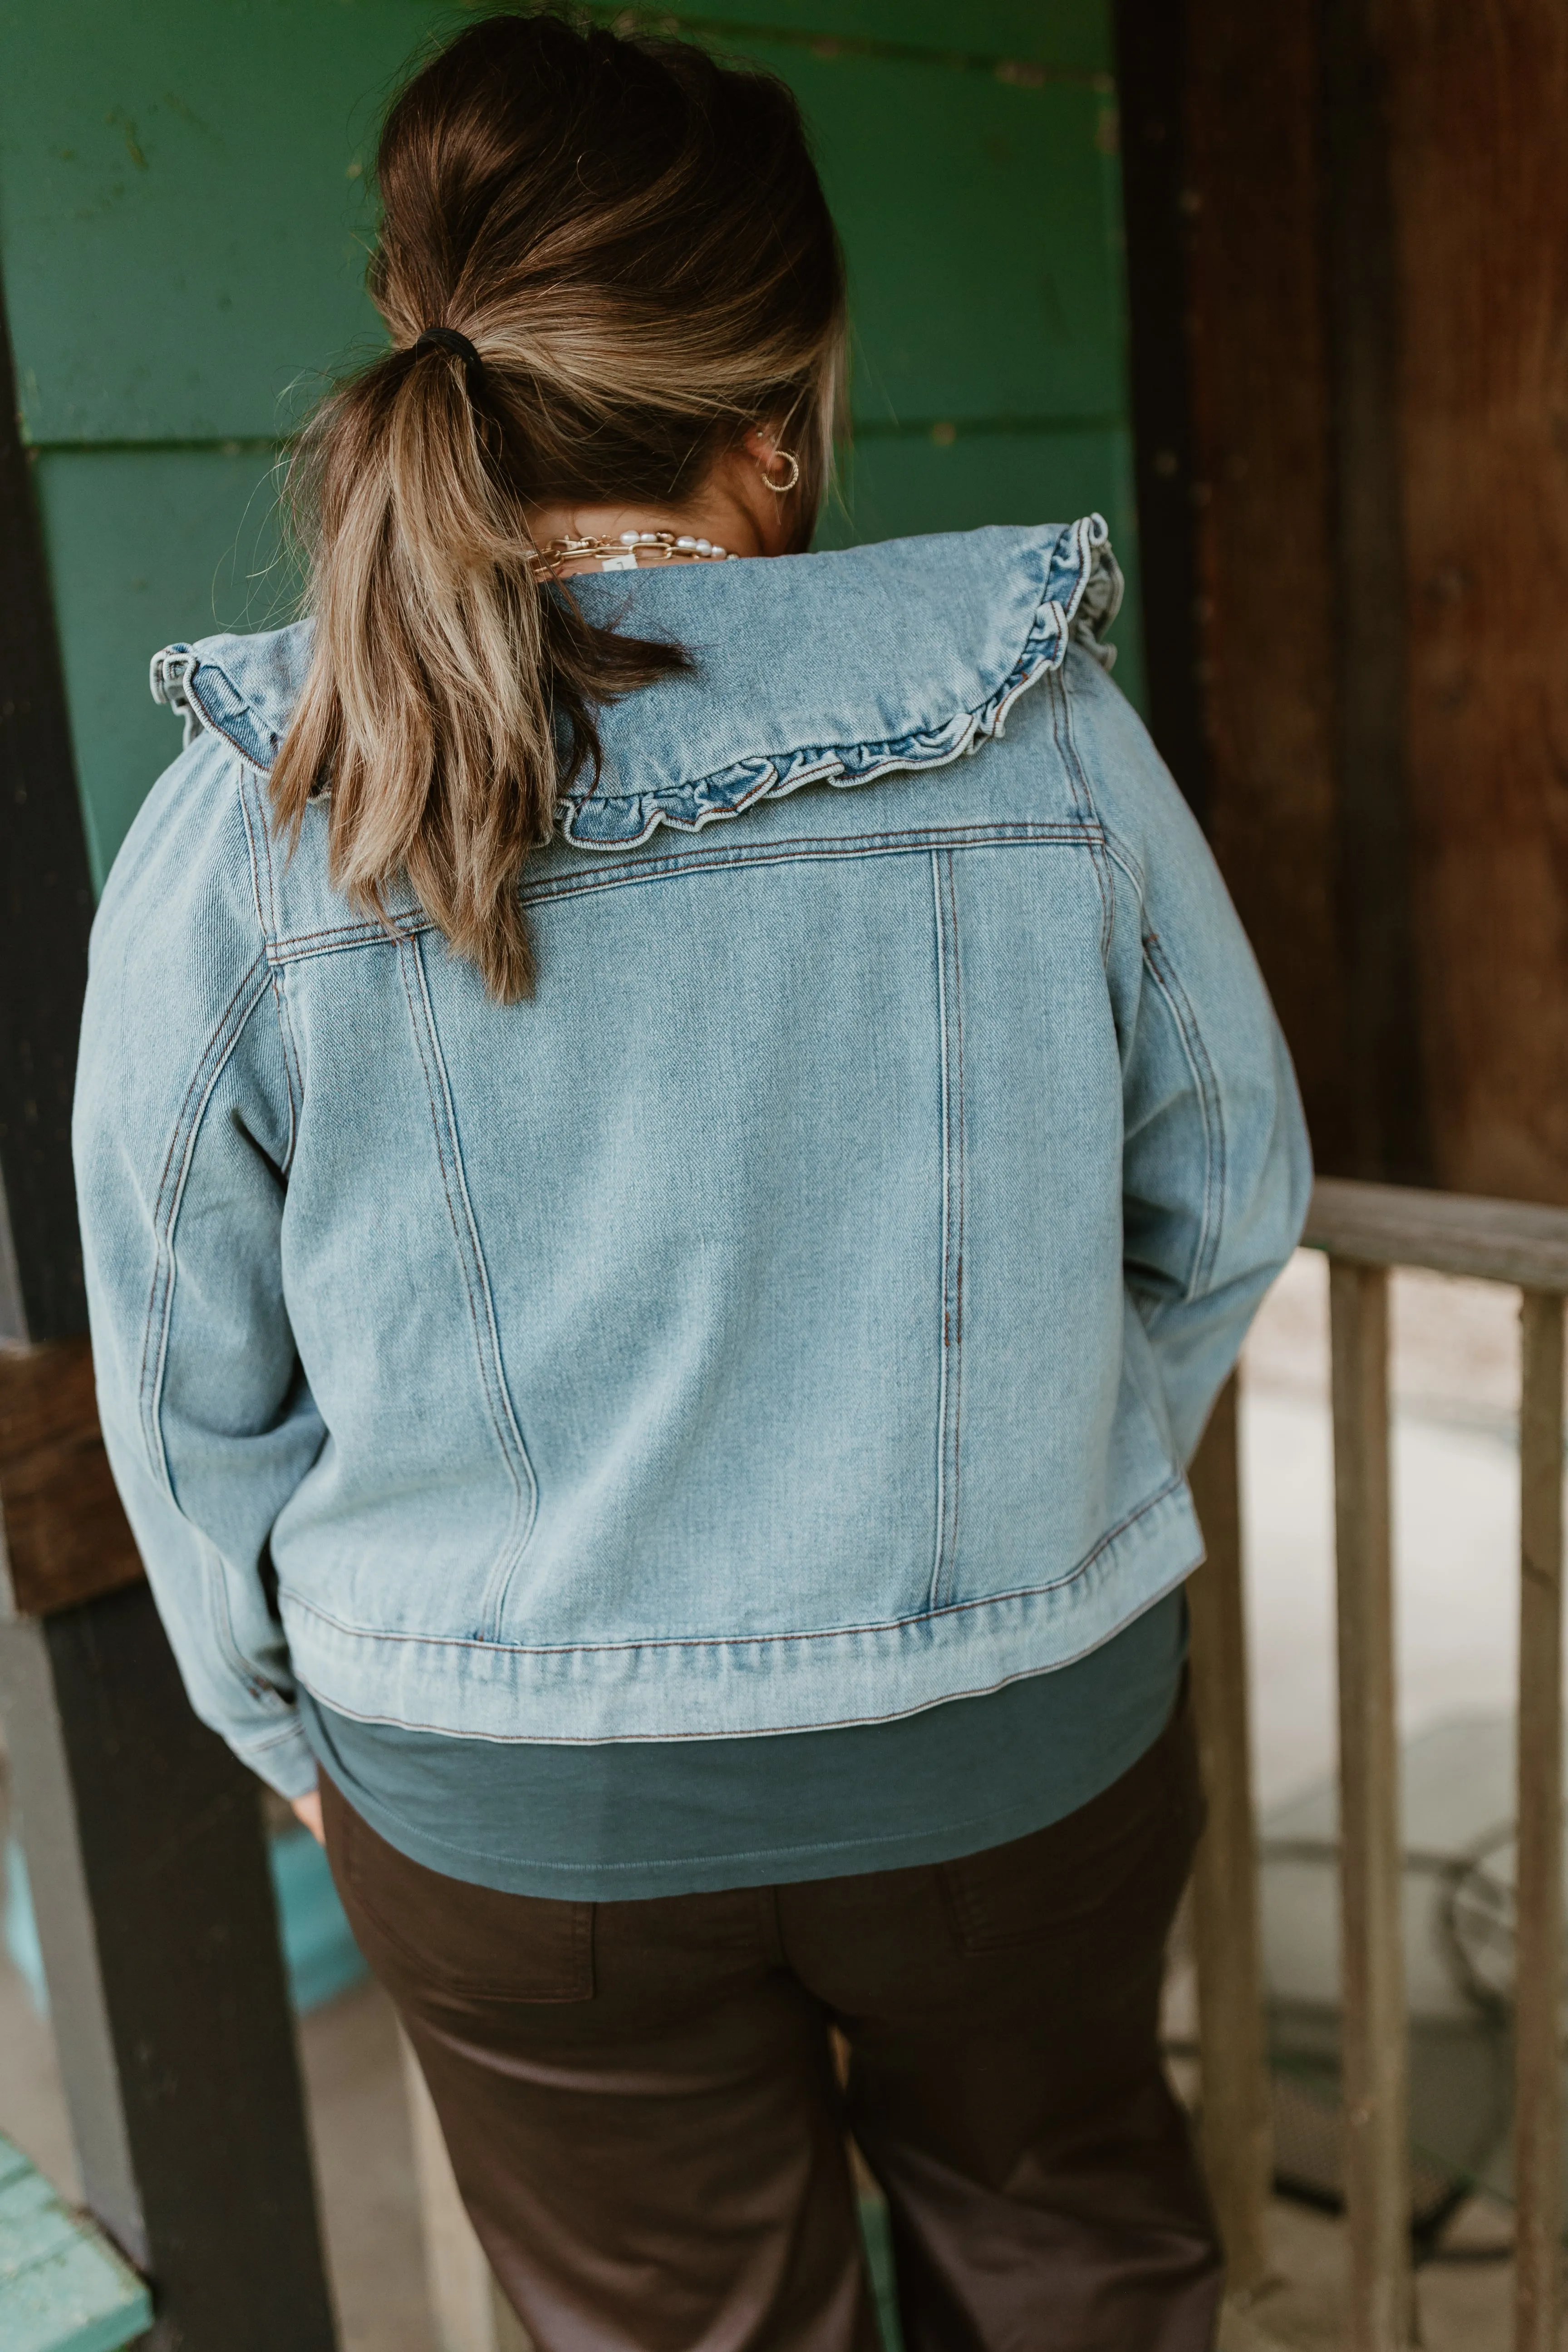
point(319, 1955)
point(877, 2240)
point(318, 1951)
point(63, 2286)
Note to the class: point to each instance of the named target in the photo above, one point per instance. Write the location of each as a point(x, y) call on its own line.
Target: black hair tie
point(447, 339)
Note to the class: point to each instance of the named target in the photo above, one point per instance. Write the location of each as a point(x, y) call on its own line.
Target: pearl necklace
point(624, 554)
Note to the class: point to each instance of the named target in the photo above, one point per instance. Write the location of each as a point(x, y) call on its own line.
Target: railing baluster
point(1538, 1946)
point(1236, 2134)
point(1374, 2061)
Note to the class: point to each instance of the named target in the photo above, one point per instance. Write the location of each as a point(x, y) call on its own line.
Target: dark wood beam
point(1152, 70)
point(1391, 1139)
point(46, 909)
point(143, 1836)
point(1477, 103)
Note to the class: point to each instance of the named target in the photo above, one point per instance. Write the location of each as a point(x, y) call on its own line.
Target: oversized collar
point(837, 668)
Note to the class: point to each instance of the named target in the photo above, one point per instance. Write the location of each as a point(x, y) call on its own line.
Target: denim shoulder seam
point(1120, 854)
point(1083, 801)
point(258, 840)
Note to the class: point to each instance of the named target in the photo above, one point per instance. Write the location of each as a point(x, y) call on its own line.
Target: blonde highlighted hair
point(633, 240)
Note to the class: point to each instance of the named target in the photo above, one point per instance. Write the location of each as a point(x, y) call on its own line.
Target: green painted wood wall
point(184, 218)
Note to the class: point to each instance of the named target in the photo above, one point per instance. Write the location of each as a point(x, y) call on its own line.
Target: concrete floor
point(1455, 1390)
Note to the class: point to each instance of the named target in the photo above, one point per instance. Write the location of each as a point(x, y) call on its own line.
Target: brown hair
point(634, 241)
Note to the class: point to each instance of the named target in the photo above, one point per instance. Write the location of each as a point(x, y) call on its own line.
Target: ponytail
point(632, 243)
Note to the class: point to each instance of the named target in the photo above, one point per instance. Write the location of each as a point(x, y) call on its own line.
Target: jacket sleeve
point(183, 1128)
point(1217, 1168)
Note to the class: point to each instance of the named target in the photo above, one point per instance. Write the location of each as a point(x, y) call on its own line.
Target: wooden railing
point(1365, 1230)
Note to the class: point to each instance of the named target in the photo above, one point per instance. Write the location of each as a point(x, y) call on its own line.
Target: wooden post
point(160, 1940)
point(1538, 1948)
point(143, 1835)
point(1382, 1037)
point(1153, 76)
point(1376, 2133)
point(1237, 2140)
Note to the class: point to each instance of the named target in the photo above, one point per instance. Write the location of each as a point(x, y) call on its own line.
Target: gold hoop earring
point(780, 490)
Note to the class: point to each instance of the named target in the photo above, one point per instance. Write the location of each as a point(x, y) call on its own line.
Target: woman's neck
point(732, 508)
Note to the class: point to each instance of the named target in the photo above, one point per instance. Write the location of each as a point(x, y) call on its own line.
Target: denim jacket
point(799, 1312)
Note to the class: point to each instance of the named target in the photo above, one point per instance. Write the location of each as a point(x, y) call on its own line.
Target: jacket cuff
point(281, 1757)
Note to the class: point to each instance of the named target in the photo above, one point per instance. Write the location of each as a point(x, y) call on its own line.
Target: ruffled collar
point(830, 669)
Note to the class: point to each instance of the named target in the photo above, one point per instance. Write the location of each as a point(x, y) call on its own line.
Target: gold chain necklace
point(625, 554)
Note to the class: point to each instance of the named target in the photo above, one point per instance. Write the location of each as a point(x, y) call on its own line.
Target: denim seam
point(950, 1342)
point(726, 857)
point(1083, 798)
point(1119, 854)
point(1162, 972)
point(1174, 1485)
point(296, 946)
point(278, 1737)
point(225, 1035)
point(475, 1281)
point(214, 1581)
point(259, 838)
point(266, 928)
point(769, 1731)
point(348, 941)
point(933, 1589)
point(281, 985)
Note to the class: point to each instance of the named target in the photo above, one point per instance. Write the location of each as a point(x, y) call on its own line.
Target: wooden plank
point(1152, 41)
point(1389, 1137)
point(1374, 2061)
point(1478, 100)
point(1396, 1224)
point(1538, 1945)
point(46, 906)
point(66, 1535)
point(1261, 496)
point(1236, 2136)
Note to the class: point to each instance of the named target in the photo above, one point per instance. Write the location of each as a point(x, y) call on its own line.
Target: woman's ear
point(774, 471)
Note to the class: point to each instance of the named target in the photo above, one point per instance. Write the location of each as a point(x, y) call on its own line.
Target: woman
point(659, 1243)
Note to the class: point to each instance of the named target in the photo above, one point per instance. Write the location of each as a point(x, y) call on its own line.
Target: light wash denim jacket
point(802, 1310)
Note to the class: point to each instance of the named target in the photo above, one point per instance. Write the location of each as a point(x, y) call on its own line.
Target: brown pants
point(642, 2110)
